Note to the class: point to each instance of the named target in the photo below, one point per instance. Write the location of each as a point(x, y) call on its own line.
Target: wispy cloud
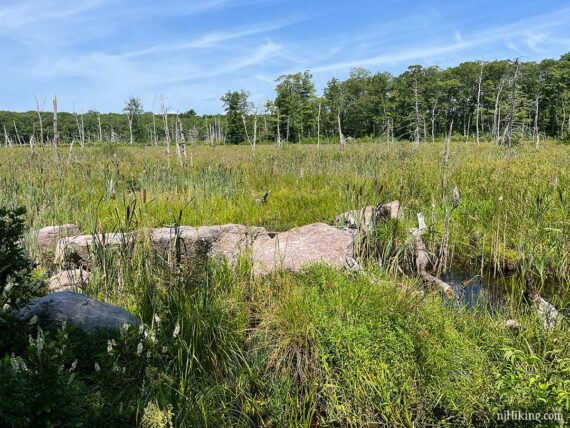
point(96, 53)
point(528, 30)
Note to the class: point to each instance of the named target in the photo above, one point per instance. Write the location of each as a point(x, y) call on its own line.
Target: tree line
point(504, 101)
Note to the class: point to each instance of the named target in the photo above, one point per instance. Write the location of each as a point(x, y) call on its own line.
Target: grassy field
point(318, 348)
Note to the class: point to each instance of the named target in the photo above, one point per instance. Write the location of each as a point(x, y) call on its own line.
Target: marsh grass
point(318, 348)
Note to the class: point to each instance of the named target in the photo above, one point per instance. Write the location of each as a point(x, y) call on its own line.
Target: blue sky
point(94, 54)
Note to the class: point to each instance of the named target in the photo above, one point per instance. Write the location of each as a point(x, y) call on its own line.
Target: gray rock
point(314, 243)
point(220, 242)
point(69, 280)
point(47, 237)
point(78, 310)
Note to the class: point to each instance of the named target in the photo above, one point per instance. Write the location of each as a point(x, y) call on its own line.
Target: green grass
point(318, 348)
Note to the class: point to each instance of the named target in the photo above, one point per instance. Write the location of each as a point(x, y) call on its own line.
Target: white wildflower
point(14, 363)
point(73, 365)
point(176, 331)
point(97, 367)
point(139, 348)
point(156, 319)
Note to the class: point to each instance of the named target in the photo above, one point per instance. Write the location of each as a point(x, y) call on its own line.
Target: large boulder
point(69, 280)
point(47, 237)
point(227, 242)
point(363, 218)
point(76, 251)
point(314, 243)
point(78, 310)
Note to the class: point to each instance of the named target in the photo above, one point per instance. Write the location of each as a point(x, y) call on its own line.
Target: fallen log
point(423, 259)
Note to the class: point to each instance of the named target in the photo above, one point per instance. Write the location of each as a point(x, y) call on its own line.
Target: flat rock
point(314, 243)
point(76, 250)
point(363, 218)
point(69, 280)
point(228, 241)
point(47, 237)
point(78, 310)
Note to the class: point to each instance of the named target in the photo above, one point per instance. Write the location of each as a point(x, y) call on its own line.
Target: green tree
point(295, 104)
point(236, 105)
point(134, 109)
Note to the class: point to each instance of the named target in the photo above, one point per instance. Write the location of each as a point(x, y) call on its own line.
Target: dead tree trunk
point(319, 127)
point(513, 100)
point(433, 118)
point(477, 111)
point(417, 110)
point(55, 130)
point(278, 130)
point(41, 122)
point(7, 140)
point(130, 117)
point(423, 258)
point(99, 126)
point(181, 141)
point(447, 144)
point(497, 114)
point(536, 130)
point(18, 140)
point(342, 140)
point(254, 130)
point(164, 111)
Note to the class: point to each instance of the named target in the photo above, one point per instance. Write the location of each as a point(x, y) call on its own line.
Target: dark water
point(491, 294)
point(482, 292)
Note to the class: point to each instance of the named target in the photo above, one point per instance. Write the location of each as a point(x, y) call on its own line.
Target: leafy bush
point(16, 284)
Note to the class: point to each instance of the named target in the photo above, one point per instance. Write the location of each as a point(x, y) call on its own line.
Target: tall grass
point(319, 348)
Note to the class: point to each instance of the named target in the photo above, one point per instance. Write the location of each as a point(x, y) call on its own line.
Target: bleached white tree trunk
point(536, 130)
point(497, 112)
point(478, 109)
point(417, 110)
point(342, 140)
point(99, 126)
point(164, 110)
point(7, 139)
point(319, 127)
point(55, 130)
point(41, 122)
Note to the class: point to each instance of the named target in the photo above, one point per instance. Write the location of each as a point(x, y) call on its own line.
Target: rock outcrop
point(47, 237)
point(78, 310)
point(314, 243)
point(69, 280)
point(219, 242)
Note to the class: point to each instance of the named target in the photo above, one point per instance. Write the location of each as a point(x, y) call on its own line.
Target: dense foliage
point(503, 100)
